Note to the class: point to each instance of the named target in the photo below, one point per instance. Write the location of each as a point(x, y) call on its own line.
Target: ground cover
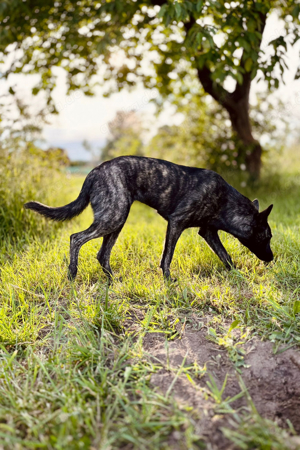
point(211, 361)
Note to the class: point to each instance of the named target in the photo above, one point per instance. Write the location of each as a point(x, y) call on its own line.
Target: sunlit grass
point(72, 368)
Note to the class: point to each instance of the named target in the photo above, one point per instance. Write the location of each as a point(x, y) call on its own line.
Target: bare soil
point(273, 381)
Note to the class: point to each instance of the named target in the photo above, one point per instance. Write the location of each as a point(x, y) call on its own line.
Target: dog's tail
point(69, 211)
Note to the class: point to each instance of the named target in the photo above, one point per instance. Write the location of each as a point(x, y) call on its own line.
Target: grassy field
point(74, 369)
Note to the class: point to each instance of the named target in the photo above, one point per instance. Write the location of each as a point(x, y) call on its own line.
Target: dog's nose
point(269, 259)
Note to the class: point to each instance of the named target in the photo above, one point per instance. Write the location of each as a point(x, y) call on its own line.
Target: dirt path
point(273, 381)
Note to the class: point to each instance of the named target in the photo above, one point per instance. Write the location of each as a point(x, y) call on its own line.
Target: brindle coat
point(184, 196)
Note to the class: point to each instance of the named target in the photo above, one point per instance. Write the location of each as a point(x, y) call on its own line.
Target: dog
point(184, 196)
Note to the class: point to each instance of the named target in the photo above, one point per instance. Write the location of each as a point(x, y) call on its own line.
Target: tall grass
point(27, 176)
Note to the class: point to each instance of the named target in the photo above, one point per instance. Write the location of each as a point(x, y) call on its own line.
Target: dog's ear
point(264, 214)
point(256, 204)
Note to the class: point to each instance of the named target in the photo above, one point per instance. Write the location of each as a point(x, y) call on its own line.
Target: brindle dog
point(184, 196)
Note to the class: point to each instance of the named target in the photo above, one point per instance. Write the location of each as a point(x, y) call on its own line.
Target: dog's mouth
point(264, 254)
point(265, 258)
point(267, 263)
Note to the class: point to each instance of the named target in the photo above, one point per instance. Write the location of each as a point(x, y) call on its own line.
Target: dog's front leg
point(213, 240)
point(174, 231)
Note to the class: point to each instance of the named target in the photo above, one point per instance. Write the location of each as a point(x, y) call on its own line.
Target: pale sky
point(83, 117)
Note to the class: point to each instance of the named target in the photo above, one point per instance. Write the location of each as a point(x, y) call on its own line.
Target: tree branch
point(158, 2)
point(220, 94)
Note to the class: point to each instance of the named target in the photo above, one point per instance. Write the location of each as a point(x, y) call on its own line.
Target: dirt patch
point(273, 381)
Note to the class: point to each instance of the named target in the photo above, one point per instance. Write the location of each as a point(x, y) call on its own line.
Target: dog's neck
point(239, 215)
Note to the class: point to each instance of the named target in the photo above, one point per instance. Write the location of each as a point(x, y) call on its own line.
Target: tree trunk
point(237, 102)
point(251, 149)
point(237, 105)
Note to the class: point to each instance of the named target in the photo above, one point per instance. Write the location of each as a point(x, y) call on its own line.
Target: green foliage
point(260, 433)
point(79, 31)
point(126, 131)
point(201, 140)
point(27, 173)
point(163, 44)
point(82, 36)
point(55, 156)
point(204, 138)
point(90, 391)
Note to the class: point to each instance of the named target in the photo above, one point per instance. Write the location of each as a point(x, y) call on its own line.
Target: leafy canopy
point(159, 43)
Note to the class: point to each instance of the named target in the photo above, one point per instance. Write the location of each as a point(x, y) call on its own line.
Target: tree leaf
point(248, 65)
point(239, 77)
point(163, 10)
point(199, 5)
point(177, 10)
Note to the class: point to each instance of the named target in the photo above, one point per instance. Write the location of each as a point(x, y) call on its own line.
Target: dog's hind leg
point(108, 222)
point(213, 240)
point(174, 231)
point(104, 253)
point(76, 242)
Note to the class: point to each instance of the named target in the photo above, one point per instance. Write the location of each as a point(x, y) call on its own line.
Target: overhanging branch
point(220, 94)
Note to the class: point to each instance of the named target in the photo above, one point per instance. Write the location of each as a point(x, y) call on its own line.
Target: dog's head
point(259, 239)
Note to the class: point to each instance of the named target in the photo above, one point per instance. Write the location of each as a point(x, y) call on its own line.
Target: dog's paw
point(169, 280)
point(110, 279)
point(113, 280)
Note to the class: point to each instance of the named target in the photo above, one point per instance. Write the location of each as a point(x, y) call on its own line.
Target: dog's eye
point(263, 238)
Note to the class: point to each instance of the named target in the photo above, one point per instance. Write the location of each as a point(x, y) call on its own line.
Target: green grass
point(73, 373)
point(84, 394)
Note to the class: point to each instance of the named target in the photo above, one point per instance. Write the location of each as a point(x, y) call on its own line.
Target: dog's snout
point(267, 262)
point(266, 255)
point(269, 257)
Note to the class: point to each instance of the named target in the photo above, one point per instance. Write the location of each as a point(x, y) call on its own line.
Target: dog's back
point(165, 186)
